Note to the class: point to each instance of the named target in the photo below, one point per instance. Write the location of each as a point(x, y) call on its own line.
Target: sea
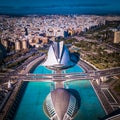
point(59, 7)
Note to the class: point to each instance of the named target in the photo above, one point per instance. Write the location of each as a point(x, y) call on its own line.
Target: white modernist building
point(58, 56)
point(60, 105)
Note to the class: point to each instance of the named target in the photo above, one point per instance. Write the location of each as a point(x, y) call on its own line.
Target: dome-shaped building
point(60, 105)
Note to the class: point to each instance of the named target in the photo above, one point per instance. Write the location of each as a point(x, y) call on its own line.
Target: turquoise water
point(74, 69)
point(31, 106)
point(90, 107)
point(42, 70)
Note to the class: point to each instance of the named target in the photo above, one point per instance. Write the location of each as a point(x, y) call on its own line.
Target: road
point(90, 75)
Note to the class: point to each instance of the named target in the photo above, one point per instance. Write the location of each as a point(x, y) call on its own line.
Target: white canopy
point(58, 55)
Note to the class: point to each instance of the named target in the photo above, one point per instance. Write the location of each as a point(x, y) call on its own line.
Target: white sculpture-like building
point(58, 56)
point(60, 105)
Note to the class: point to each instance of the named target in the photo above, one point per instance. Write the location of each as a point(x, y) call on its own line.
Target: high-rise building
point(17, 45)
point(24, 44)
point(117, 37)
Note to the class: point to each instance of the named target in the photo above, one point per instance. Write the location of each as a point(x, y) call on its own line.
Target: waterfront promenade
point(10, 99)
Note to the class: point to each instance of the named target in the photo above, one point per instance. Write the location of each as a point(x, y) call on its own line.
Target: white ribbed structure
point(54, 104)
point(50, 106)
point(58, 56)
point(71, 107)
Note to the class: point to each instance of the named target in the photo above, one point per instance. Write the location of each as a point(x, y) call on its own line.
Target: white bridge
point(91, 75)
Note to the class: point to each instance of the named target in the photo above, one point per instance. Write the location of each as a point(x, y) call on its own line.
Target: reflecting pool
point(31, 105)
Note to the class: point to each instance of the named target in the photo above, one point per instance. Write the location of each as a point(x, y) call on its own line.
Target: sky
point(57, 5)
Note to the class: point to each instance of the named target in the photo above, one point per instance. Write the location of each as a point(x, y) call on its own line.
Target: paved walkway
point(109, 108)
point(11, 99)
point(10, 102)
point(103, 100)
point(85, 66)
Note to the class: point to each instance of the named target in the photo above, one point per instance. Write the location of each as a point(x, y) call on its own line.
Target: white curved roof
point(58, 56)
point(60, 104)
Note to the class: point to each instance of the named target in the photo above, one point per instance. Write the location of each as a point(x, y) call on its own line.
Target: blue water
point(42, 70)
point(43, 7)
point(31, 105)
point(74, 69)
point(90, 107)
